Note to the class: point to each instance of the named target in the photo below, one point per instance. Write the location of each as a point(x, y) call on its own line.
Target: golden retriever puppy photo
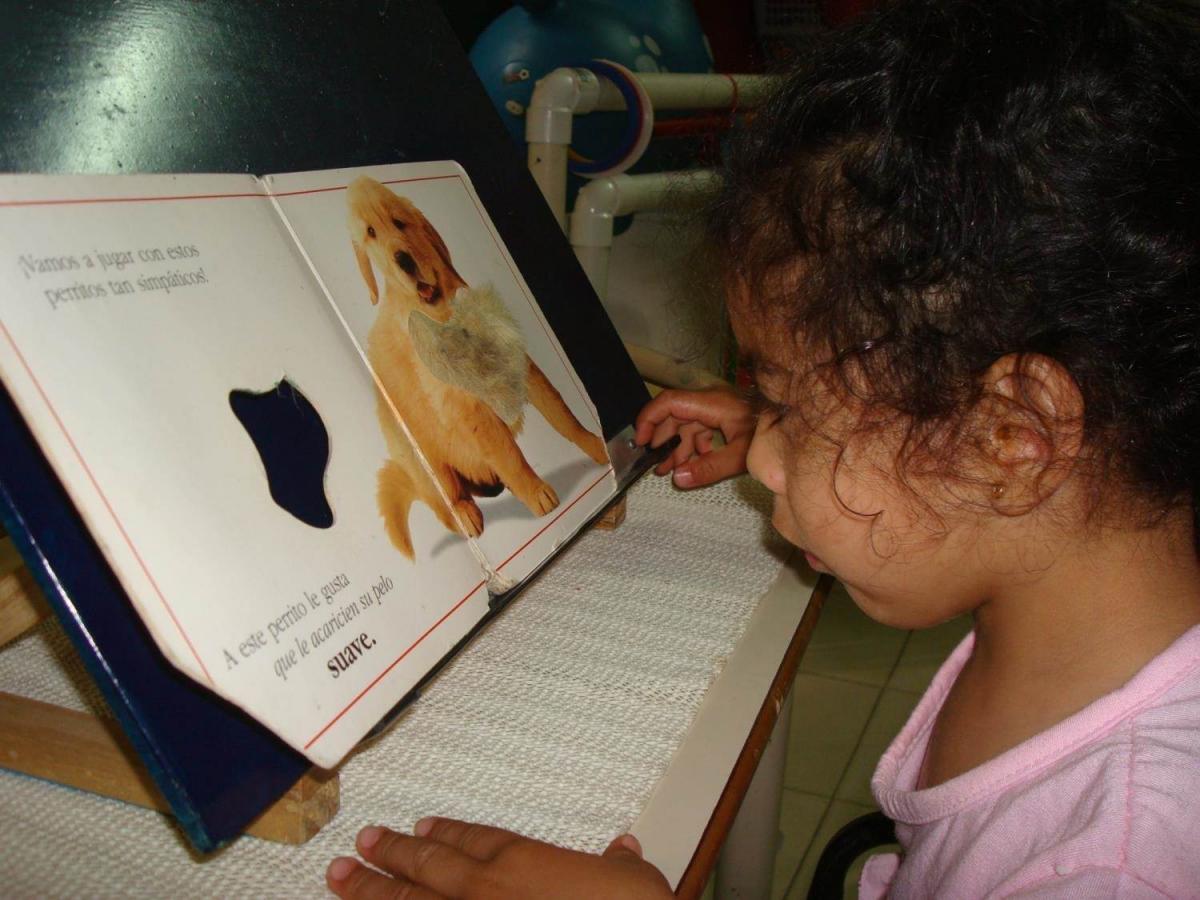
point(454, 372)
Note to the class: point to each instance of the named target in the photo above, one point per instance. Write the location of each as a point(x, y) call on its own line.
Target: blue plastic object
point(635, 124)
point(529, 40)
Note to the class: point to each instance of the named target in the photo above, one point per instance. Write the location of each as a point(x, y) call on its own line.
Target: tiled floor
point(858, 681)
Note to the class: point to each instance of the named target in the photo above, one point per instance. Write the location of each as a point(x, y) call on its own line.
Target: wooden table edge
point(696, 875)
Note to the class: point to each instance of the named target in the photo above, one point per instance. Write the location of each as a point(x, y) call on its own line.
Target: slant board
point(255, 86)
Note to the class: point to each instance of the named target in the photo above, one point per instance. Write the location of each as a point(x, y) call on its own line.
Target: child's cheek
point(764, 461)
point(783, 522)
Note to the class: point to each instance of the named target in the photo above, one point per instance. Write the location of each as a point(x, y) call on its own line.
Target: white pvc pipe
point(602, 200)
point(556, 99)
point(548, 166)
point(686, 91)
point(564, 93)
point(594, 260)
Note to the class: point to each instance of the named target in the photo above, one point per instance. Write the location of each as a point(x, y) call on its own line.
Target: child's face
point(907, 560)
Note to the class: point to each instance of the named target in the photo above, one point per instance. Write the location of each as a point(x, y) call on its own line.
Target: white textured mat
point(556, 722)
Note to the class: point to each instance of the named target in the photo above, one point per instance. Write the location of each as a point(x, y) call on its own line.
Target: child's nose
point(764, 461)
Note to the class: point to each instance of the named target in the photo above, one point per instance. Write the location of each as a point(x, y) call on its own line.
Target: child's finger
point(668, 463)
point(444, 869)
point(687, 442)
point(480, 842)
point(709, 468)
point(683, 450)
point(624, 844)
point(664, 431)
point(652, 414)
point(350, 880)
point(720, 409)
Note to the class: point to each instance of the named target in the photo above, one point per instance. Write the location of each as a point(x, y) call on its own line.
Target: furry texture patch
point(479, 349)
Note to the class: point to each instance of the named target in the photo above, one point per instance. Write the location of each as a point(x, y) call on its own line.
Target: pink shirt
point(1104, 804)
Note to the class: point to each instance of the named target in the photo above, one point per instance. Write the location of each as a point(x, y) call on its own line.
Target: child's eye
point(764, 407)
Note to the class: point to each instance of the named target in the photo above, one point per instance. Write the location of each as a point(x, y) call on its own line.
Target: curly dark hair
point(957, 180)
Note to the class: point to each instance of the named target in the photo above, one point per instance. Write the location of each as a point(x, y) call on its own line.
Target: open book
point(315, 421)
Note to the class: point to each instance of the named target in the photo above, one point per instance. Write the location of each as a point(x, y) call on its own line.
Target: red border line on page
point(104, 499)
point(76, 201)
point(550, 524)
point(344, 186)
point(85, 200)
point(316, 737)
point(455, 608)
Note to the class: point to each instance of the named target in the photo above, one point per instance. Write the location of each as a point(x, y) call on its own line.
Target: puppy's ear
point(368, 274)
point(439, 245)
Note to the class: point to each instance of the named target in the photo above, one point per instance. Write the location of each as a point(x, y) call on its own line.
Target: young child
point(963, 252)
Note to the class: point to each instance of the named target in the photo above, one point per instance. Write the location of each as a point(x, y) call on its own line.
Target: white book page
point(130, 308)
point(416, 268)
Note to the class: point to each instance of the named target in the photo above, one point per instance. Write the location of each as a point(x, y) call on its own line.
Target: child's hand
point(696, 416)
point(459, 860)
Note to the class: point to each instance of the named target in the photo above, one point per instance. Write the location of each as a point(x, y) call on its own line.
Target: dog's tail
point(395, 495)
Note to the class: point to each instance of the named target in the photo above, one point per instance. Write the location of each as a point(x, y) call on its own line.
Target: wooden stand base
point(612, 517)
point(21, 603)
point(91, 753)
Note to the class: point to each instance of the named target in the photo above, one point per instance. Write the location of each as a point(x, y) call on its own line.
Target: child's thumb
point(623, 845)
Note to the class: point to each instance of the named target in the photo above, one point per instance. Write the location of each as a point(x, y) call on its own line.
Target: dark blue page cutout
point(293, 444)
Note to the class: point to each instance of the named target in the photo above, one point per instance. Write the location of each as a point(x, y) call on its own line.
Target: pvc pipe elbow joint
point(557, 98)
point(597, 203)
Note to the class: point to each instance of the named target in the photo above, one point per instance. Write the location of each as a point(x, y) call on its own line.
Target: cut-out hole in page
point(293, 444)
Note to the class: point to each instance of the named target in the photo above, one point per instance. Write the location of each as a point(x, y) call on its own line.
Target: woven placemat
point(556, 722)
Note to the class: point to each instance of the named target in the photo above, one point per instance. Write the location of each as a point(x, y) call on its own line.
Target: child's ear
point(1032, 430)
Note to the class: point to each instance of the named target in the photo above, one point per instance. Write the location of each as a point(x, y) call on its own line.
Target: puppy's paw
point(594, 447)
point(470, 517)
point(543, 500)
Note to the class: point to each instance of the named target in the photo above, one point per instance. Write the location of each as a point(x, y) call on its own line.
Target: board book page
point(423, 282)
point(303, 528)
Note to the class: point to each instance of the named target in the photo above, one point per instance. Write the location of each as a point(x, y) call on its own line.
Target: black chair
point(852, 840)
